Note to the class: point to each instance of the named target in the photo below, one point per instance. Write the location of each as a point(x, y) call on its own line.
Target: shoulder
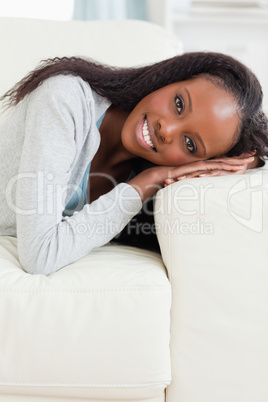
point(65, 86)
point(68, 94)
point(63, 81)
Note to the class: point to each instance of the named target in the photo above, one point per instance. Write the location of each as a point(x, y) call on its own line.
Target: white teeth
point(146, 134)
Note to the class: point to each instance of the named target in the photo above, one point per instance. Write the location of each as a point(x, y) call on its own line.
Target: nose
point(167, 130)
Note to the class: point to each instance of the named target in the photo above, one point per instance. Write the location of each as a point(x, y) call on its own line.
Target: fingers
point(216, 167)
point(212, 173)
point(246, 154)
point(242, 159)
point(205, 173)
point(209, 165)
point(168, 182)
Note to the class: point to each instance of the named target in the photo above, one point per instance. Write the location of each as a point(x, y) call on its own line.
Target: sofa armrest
point(213, 238)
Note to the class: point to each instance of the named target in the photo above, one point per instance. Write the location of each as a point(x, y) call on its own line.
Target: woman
point(195, 114)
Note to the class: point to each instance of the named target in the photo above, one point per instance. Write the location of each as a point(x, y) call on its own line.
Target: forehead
point(205, 83)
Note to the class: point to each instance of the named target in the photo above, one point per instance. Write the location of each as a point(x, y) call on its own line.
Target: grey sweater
point(46, 144)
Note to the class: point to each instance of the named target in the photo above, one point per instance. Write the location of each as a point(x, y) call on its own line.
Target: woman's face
point(181, 123)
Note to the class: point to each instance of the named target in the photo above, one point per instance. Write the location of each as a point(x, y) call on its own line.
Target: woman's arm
point(151, 180)
point(57, 124)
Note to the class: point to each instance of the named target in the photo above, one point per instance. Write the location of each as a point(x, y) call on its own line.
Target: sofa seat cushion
point(97, 328)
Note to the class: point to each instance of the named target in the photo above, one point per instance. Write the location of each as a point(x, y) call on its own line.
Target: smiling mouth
point(146, 134)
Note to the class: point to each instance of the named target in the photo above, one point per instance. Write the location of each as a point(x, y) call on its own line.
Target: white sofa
point(104, 328)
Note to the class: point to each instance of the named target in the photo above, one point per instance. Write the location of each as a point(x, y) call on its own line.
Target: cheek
point(127, 133)
point(177, 158)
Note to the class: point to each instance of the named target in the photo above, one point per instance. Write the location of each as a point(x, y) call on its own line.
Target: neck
point(111, 143)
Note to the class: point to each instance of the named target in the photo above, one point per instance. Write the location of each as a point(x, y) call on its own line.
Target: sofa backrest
point(25, 42)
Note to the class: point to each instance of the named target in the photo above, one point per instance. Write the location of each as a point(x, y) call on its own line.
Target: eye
point(190, 144)
point(179, 104)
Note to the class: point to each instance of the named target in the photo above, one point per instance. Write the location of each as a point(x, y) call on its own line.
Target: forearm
point(47, 243)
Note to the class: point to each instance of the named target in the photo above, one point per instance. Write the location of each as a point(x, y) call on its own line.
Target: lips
point(145, 135)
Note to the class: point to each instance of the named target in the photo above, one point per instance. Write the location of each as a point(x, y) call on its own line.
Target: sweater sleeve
point(56, 122)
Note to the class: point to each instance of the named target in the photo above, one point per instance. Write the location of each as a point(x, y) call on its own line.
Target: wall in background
point(232, 30)
point(48, 9)
point(239, 31)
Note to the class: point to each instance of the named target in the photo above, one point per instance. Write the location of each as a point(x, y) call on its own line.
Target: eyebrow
point(189, 100)
point(201, 142)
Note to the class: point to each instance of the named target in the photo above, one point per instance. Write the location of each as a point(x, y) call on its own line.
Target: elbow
point(42, 256)
point(33, 262)
point(30, 266)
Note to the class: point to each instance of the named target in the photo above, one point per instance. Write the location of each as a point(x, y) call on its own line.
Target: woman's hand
point(153, 179)
point(228, 166)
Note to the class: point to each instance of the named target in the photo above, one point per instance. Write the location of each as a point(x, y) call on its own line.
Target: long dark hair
point(125, 87)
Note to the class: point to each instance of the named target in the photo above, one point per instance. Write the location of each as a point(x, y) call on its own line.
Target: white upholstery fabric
point(24, 43)
point(93, 329)
point(213, 235)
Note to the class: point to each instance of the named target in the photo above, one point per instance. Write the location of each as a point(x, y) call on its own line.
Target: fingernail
point(202, 174)
point(181, 177)
point(169, 180)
